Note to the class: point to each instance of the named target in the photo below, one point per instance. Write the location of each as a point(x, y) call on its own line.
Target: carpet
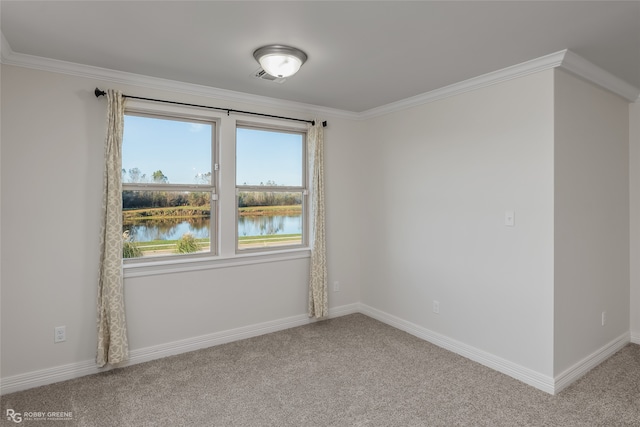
point(347, 371)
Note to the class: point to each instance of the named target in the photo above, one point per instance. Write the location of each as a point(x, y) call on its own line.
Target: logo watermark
point(14, 416)
point(18, 417)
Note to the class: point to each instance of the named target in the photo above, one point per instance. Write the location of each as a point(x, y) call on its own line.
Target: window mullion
point(167, 187)
point(281, 189)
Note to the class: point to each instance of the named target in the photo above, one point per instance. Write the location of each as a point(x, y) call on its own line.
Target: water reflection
point(147, 230)
point(269, 225)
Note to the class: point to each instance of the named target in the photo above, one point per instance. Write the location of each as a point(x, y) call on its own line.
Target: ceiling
point(362, 54)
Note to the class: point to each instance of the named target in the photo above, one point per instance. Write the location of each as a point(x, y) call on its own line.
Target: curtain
point(318, 298)
point(112, 329)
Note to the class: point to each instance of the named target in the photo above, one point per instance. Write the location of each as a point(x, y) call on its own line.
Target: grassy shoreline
point(270, 210)
point(151, 243)
point(169, 212)
point(158, 247)
point(203, 212)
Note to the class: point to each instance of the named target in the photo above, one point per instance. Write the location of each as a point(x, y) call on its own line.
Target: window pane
point(165, 222)
point(267, 219)
point(269, 158)
point(165, 151)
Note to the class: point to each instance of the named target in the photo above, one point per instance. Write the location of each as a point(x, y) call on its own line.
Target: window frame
point(152, 111)
point(303, 188)
point(225, 211)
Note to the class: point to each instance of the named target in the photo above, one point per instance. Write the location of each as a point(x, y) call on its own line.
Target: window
point(271, 188)
point(181, 211)
point(168, 186)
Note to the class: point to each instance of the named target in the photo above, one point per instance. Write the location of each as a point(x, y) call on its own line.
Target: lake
point(174, 228)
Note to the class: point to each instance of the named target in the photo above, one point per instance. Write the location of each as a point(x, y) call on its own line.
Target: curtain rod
point(100, 93)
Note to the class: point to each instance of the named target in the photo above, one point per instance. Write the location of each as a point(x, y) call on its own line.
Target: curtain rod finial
point(99, 93)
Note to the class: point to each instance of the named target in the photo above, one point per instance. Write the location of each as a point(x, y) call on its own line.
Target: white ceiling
point(362, 54)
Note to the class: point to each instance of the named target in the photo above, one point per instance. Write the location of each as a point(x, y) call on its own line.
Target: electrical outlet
point(604, 318)
point(59, 334)
point(436, 307)
point(336, 286)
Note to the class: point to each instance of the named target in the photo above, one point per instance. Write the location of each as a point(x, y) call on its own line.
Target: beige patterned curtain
point(112, 327)
point(318, 298)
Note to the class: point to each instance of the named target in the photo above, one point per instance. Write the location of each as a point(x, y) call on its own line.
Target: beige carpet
point(349, 371)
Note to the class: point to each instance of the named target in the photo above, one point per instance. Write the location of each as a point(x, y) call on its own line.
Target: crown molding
point(564, 59)
point(533, 66)
point(581, 67)
point(9, 57)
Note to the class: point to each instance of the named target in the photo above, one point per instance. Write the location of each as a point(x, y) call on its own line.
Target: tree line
point(147, 199)
point(161, 199)
point(135, 176)
point(268, 198)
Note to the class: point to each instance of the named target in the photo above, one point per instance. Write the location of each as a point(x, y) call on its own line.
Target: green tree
point(159, 177)
point(135, 175)
point(203, 178)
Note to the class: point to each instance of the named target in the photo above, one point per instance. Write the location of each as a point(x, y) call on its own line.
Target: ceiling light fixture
point(280, 61)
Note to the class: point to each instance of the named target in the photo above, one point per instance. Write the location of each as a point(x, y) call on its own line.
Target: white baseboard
point(526, 375)
point(87, 367)
point(48, 376)
point(572, 374)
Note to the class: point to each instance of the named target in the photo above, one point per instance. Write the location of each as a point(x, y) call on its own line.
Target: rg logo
point(14, 416)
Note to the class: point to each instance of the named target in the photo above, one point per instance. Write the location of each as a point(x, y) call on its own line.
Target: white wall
point(591, 219)
point(634, 188)
point(441, 177)
point(415, 207)
point(52, 154)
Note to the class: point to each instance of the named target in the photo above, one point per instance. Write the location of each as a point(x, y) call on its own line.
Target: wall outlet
point(336, 286)
point(59, 334)
point(436, 307)
point(604, 318)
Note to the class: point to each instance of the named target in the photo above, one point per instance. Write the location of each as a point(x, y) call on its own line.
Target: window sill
point(152, 268)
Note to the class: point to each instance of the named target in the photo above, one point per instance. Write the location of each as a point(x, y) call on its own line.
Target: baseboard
point(223, 337)
point(87, 367)
point(526, 375)
point(635, 337)
point(572, 374)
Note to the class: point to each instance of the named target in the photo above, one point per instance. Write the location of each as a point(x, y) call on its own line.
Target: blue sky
point(263, 156)
point(182, 150)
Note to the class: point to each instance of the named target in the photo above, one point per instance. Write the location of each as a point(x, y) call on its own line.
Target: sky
point(263, 156)
point(182, 151)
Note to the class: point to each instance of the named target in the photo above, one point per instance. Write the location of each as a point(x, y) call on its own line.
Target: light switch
point(510, 218)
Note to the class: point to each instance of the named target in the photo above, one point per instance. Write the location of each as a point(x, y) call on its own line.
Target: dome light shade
point(280, 61)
